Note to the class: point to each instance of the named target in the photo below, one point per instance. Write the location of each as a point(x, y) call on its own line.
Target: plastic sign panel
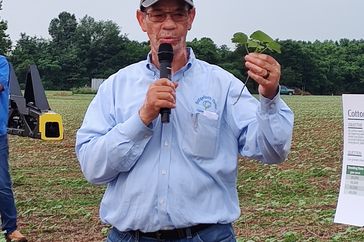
point(350, 207)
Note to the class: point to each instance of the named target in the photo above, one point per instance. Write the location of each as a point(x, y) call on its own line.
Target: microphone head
point(165, 52)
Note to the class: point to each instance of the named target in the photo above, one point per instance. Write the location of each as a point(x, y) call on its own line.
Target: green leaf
point(257, 42)
point(253, 44)
point(261, 36)
point(274, 46)
point(240, 38)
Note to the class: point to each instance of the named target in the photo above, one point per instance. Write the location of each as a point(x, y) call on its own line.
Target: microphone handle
point(165, 72)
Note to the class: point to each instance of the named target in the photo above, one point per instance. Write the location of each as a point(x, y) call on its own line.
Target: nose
point(169, 22)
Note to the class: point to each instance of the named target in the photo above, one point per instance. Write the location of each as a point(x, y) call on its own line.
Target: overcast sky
point(283, 19)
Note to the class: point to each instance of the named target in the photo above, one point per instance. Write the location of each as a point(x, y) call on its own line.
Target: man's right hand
point(160, 94)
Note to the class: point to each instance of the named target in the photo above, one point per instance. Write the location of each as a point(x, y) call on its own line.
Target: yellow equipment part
point(50, 126)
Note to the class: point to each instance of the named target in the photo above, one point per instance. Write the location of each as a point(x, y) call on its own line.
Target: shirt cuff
point(269, 106)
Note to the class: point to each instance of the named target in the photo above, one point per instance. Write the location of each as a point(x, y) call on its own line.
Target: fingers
point(163, 92)
point(261, 64)
point(261, 58)
point(266, 76)
point(160, 94)
point(258, 78)
point(266, 71)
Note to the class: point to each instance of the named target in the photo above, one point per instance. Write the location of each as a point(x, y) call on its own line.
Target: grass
point(54, 201)
point(293, 201)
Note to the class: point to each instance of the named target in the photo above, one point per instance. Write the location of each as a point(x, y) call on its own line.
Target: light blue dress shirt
point(174, 175)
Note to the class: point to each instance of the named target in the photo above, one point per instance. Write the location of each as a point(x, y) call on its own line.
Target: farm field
point(292, 201)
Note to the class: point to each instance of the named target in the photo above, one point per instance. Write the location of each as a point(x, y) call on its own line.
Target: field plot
point(293, 201)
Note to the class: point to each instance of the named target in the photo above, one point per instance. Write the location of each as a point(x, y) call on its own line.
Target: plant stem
point(263, 50)
point(246, 80)
point(242, 89)
point(246, 48)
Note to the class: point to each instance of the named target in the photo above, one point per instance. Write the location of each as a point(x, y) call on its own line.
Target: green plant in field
point(2, 236)
point(257, 42)
point(83, 90)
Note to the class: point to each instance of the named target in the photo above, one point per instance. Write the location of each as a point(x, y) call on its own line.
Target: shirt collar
point(191, 59)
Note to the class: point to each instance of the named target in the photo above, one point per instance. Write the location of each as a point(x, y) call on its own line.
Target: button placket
point(163, 178)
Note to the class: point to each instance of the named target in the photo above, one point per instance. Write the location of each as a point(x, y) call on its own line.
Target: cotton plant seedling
point(257, 42)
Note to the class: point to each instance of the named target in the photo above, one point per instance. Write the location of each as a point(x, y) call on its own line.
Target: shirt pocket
point(200, 137)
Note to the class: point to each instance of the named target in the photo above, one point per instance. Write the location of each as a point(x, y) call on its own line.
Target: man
point(7, 203)
point(176, 181)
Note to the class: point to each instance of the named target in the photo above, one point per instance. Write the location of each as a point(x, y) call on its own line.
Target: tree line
point(81, 50)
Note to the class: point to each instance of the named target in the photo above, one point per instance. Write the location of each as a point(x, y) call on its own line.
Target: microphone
point(165, 57)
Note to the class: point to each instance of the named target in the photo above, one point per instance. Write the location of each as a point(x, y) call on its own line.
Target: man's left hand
point(266, 71)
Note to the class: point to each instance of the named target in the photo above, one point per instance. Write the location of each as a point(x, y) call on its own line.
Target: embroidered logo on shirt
point(206, 103)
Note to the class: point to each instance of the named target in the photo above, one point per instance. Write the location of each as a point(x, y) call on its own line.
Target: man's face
point(167, 21)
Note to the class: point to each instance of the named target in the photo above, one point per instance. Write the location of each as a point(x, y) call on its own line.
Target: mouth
point(168, 40)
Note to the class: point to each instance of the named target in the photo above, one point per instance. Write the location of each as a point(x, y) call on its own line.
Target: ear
point(141, 20)
point(191, 17)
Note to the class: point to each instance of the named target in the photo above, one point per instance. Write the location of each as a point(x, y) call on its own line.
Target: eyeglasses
point(159, 17)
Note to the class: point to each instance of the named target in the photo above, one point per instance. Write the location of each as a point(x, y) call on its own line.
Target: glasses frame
point(176, 16)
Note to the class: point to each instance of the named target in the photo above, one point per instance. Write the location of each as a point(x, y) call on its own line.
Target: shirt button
point(161, 201)
point(166, 143)
point(272, 105)
point(164, 172)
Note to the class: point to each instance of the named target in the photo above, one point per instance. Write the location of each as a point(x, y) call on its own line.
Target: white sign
point(350, 207)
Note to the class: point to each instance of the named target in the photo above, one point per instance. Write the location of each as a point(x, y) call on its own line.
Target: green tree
point(64, 58)
point(62, 29)
point(29, 50)
point(205, 49)
point(101, 48)
point(233, 61)
point(296, 64)
point(5, 42)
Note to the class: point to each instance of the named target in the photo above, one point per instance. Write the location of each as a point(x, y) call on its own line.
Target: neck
point(180, 59)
